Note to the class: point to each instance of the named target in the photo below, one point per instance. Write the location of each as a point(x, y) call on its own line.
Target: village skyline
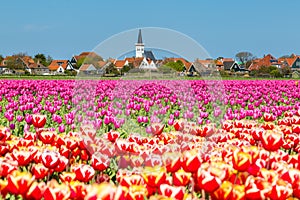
point(222, 28)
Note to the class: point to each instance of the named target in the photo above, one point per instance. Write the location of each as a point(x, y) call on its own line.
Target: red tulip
point(280, 190)
point(100, 162)
point(181, 178)
point(36, 190)
point(39, 171)
point(241, 160)
point(272, 140)
point(256, 188)
point(55, 191)
point(47, 137)
point(7, 167)
point(39, 121)
point(134, 179)
point(179, 124)
point(269, 117)
point(19, 182)
point(67, 176)
point(172, 161)
point(22, 156)
point(78, 190)
point(84, 173)
point(154, 176)
point(4, 133)
point(173, 192)
point(50, 158)
point(3, 188)
point(207, 181)
point(296, 128)
point(157, 128)
point(113, 136)
point(191, 161)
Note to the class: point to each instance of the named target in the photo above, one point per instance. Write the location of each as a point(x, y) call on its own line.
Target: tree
point(40, 57)
point(177, 66)
point(112, 70)
point(1, 58)
point(244, 57)
point(127, 68)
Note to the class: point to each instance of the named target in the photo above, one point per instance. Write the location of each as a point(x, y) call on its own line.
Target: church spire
point(140, 40)
point(139, 46)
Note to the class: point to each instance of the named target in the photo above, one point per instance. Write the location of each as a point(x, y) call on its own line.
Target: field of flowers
point(67, 139)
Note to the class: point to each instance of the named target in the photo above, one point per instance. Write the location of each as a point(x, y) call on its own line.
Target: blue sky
point(62, 28)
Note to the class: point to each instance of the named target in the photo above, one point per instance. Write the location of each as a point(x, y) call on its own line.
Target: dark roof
point(228, 64)
point(140, 41)
point(150, 55)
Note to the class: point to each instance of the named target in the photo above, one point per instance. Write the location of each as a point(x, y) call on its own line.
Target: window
point(298, 63)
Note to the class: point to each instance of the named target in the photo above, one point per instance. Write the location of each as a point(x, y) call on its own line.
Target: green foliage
point(244, 57)
point(1, 58)
point(40, 57)
point(127, 68)
point(79, 63)
point(70, 73)
point(276, 73)
point(177, 66)
point(111, 69)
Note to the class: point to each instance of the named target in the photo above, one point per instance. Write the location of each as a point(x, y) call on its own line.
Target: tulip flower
point(154, 176)
point(241, 161)
point(272, 140)
point(19, 182)
point(38, 120)
point(50, 159)
point(173, 192)
point(181, 178)
point(84, 173)
point(36, 190)
point(100, 162)
point(55, 191)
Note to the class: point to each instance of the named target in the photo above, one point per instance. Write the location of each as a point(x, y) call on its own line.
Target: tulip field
point(136, 140)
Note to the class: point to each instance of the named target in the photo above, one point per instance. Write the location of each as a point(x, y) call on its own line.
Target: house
point(88, 69)
point(25, 63)
point(83, 56)
point(231, 66)
point(292, 62)
point(266, 61)
point(60, 66)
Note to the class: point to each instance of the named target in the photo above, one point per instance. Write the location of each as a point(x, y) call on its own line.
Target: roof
point(150, 55)
point(86, 54)
point(140, 40)
point(55, 64)
point(267, 61)
point(120, 63)
point(87, 67)
point(228, 64)
point(288, 61)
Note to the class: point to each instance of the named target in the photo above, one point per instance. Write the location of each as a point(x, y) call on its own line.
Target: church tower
point(139, 46)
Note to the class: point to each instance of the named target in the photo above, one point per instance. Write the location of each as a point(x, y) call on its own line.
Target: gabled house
point(24, 63)
point(88, 69)
point(84, 55)
point(60, 66)
point(292, 62)
point(266, 61)
point(231, 66)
